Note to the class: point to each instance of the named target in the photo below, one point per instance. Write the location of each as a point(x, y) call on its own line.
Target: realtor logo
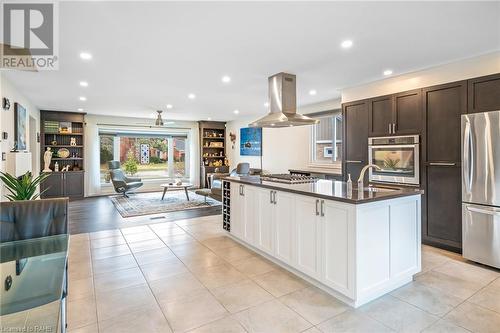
point(29, 39)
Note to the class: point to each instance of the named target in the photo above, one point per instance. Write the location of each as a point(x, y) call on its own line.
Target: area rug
point(151, 203)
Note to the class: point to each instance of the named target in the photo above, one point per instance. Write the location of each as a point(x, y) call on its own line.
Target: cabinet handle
point(351, 161)
point(394, 128)
point(271, 197)
point(242, 190)
point(317, 211)
point(390, 130)
point(442, 164)
point(322, 209)
point(274, 197)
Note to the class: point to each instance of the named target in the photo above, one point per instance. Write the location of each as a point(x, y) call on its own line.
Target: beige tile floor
point(188, 276)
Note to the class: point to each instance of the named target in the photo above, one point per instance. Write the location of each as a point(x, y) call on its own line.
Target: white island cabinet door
point(237, 213)
point(307, 235)
point(264, 222)
point(284, 225)
point(404, 238)
point(337, 232)
point(249, 213)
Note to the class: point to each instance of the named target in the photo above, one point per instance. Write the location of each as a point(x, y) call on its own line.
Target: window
point(145, 155)
point(327, 138)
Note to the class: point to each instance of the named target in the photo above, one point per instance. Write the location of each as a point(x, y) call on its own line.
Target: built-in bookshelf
point(212, 149)
point(64, 134)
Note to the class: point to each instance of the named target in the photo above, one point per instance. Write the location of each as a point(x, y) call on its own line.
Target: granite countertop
point(330, 190)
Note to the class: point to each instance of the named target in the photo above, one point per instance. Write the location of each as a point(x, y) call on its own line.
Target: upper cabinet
point(396, 114)
point(484, 94)
point(444, 104)
point(408, 115)
point(380, 115)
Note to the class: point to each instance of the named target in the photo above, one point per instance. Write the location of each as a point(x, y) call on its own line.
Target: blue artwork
point(251, 141)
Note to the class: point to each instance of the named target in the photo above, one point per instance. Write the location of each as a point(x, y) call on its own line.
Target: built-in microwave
point(397, 157)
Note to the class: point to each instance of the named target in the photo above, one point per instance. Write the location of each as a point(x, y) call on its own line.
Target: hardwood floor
point(99, 213)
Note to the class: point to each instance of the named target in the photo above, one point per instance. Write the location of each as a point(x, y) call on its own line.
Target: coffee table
point(185, 186)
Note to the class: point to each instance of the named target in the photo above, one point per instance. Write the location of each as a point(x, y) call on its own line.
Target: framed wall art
point(251, 141)
point(20, 129)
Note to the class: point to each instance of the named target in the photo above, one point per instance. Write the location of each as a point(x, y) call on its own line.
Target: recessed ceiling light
point(226, 79)
point(346, 44)
point(209, 118)
point(80, 109)
point(169, 106)
point(387, 72)
point(191, 96)
point(84, 83)
point(266, 104)
point(83, 99)
point(236, 111)
point(85, 56)
point(312, 92)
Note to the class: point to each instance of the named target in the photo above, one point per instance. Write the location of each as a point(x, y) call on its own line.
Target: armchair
point(122, 183)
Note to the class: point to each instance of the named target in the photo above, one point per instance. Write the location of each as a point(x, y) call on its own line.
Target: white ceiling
point(150, 54)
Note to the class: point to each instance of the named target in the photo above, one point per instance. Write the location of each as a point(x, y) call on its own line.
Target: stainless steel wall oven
point(398, 158)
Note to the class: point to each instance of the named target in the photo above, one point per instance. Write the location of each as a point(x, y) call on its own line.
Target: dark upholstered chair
point(33, 219)
point(242, 169)
point(122, 183)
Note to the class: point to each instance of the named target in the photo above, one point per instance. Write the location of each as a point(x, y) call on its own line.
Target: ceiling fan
point(159, 120)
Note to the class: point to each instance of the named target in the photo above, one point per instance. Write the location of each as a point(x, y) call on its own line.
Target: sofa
point(33, 219)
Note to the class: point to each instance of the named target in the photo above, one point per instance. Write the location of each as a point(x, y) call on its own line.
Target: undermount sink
point(379, 189)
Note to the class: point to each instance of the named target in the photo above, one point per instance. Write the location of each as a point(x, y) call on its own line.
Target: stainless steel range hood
point(283, 104)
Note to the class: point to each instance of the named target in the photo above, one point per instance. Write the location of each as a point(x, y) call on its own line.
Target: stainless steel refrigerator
point(481, 187)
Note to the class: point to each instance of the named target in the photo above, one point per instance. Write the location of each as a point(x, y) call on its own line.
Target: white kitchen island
point(356, 247)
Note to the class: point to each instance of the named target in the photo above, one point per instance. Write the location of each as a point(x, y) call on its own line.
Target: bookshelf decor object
point(63, 133)
point(212, 149)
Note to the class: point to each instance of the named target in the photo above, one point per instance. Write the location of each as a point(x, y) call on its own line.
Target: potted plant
point(130, 164)
point(24, 187)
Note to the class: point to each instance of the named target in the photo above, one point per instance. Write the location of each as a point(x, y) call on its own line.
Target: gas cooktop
point(288, 179)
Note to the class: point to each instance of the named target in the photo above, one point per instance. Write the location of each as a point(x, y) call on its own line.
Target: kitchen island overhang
point(356, 247)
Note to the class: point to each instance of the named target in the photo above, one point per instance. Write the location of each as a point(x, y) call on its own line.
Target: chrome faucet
point(362, 174)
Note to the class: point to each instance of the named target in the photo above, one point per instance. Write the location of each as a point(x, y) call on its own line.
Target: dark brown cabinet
point(408, 114)
point(355, 122)
point(396, 114)
point(444, 210)
point(484, 94)
point(380, 115)
point(73, 184)
point(64, 184)
point(53, 186)
point(442, 217)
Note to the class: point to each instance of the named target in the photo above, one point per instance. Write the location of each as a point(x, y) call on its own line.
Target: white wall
point(456, 71)
point(92, 178)
point(282, 148)
point(7, 89)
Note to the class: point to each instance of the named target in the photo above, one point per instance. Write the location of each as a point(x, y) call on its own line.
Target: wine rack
point(226, 205)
